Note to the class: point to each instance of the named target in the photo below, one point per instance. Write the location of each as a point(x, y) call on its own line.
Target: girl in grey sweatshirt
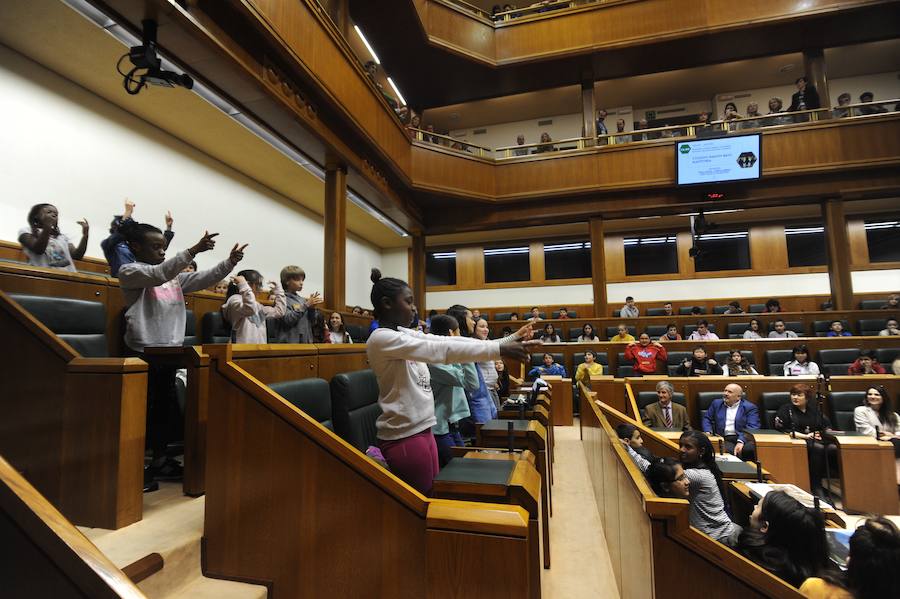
point(246, 315)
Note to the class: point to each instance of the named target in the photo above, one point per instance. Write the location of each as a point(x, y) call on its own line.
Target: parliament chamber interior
point(370, 267)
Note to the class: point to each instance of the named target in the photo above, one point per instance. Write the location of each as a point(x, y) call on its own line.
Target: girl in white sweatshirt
point(398, 357)
point(247, 316)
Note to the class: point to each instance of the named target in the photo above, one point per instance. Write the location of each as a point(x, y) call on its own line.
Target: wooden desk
point(531, 435)
point(542, 415)
point(868, 478)
point(497, 478)
point(562, 407)
point(786, 458)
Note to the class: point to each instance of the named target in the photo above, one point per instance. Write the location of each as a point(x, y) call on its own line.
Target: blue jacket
point(481, 404)
point(747, 418)
point(554, 370)
point(116, 249)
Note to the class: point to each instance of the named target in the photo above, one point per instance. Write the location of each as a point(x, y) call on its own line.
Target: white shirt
point(629, 311)
point(708, 336)
point(795, 368)
point(398, 359)
point(730, 415)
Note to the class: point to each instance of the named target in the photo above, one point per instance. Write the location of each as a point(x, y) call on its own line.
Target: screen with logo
point(718, 159)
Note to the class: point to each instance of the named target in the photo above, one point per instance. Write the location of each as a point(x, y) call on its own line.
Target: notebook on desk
point(759, 490)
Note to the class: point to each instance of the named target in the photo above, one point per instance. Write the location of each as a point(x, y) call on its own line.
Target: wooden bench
point(291, 505)
point(74, 426)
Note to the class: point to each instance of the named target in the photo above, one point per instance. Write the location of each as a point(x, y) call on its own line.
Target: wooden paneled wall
point(768, 256)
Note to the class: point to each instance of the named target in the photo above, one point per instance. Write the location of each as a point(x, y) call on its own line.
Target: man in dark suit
point(731, 416)
point(665, 413)
point(805, 98)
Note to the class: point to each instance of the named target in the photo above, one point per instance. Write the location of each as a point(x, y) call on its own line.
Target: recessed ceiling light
point(787, 68)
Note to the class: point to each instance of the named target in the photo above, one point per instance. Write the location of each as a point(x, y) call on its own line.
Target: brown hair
point(290, 273)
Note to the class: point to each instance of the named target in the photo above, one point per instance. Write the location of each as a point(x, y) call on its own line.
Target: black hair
point(593, 332)
point(707, 459)
point(660, 473)
point(384, 288)
point(547, 354)
point(801, 78)
point(867, 353)
point(696, 310)
point(874, 560)
point(838, 321)
point(342, 329)
point(629, 298)
point(625, 430)
point(550, 325)
point(671, 325)
point(135, 232)
point(794, 546)
point(506, 332)
point(432, 313)
point(735, 304)
point(592, 352)
point(33, 220)
point(772, 302)
point(516, 314)
point(885, 413)
point(732, 104)
point(801, 349)
point(254, 277)
point(194, 265)
point(752, 320)
point(458, 312)
point(442, 324)
point(704, 322)
point(318, 326)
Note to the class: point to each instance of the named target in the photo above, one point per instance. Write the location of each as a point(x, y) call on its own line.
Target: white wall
point(645, 292)
point(565, 126)
point(64, 145)
point(395, 263)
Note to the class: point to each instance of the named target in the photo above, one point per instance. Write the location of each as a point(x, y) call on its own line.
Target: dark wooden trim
point(144, 568)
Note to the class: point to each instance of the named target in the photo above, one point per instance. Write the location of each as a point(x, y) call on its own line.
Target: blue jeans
point(445, 442)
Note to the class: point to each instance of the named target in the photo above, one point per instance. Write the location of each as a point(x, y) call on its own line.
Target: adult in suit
point(665, 413)
point(730, 416)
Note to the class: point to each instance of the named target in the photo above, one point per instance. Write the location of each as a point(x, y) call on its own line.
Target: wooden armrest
point(485, 518)
point(107, 365)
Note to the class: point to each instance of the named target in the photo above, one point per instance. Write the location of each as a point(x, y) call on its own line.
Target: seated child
point(247, 316)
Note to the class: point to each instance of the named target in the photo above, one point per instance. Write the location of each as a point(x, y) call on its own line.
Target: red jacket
point(856, 368)
point(645, 357)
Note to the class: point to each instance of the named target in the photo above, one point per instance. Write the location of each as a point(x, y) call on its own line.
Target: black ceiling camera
point(144, 58)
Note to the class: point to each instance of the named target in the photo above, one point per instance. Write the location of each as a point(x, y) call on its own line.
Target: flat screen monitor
point(718, 159)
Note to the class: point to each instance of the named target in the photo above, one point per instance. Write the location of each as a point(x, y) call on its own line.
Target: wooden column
point(814, 65)
point(598, 267)
point(838, 243)
point(335, 235)
point(588, 112)
point(417, 268)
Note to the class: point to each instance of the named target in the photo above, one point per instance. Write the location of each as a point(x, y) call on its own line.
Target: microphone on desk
point(759, 474)
point(510, 437)
point(816, 503)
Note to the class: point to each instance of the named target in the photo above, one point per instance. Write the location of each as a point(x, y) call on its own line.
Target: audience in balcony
point(753, 329)
point(780, 331)
point(738, 365)
point(45, 245)
point(890, 328)
point(622, 336)
point(872, 566)
point(520, 141)
point(672, 333)
point(734, 308)
point(642, 124)
point(702, 333)
point(731, 112)
point(601, 122)
point(548, 368)
point(801, 365)
point(587, 334)
point(644, 354)
point(806, 97)
point(786, 538)
point(629, 310)
point(620, 128)
point(546, 143)
point(866, 98)
point(699, 364)
point(843, 100)
point(753, 115)
point(877, 418)
point(730, 416)
point(415, 122)
point(708, 494)
point(665, 413)
point(590, 367)
point(802, 418)
point(550, 335)
point(866, 364)
point(776, 107)
point(837, 330)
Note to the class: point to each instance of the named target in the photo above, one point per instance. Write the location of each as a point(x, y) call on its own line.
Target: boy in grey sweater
point(296, 324)
point(154, 291)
